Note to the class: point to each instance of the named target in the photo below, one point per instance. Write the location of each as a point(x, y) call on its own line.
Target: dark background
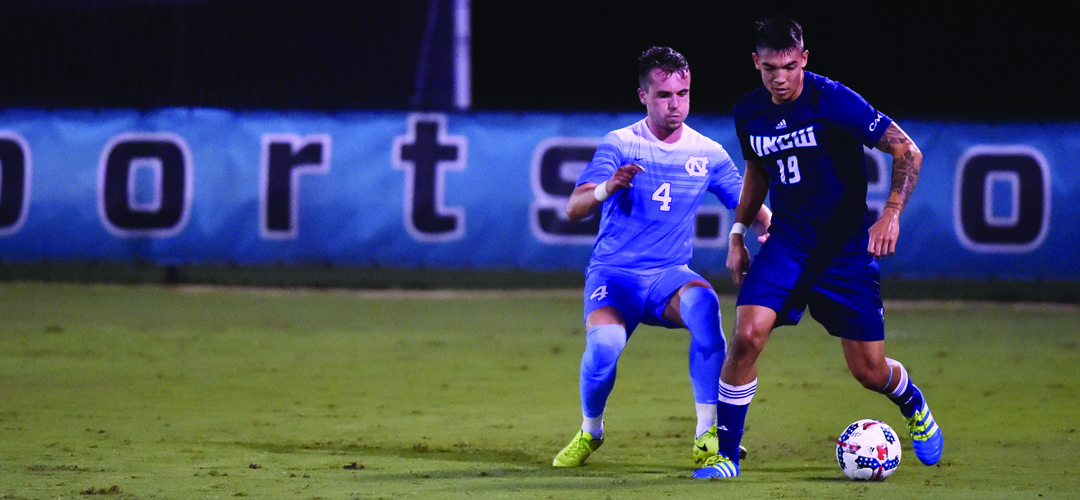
point(936, 60)
point(1013, 61)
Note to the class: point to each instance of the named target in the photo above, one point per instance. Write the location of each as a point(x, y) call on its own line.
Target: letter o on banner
point(1002, 199)
point(144, 185)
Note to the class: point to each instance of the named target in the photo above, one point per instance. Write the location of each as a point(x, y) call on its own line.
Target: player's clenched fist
point(883, 234)
point(623, 176)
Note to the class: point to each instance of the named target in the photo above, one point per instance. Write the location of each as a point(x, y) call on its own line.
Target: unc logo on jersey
point(696, 166)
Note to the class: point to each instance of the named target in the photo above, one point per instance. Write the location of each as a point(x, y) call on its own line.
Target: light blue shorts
point(640, 298)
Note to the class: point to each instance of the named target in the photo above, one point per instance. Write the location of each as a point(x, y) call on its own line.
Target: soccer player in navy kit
point(648, 180)
point(802, 136)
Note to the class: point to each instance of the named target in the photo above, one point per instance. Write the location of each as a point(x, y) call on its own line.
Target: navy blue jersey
point(812, 148)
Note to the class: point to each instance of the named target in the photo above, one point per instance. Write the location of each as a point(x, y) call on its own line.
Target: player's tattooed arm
point(907, 161)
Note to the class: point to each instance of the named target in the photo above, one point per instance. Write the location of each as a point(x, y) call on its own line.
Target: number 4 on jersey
point(663, 195)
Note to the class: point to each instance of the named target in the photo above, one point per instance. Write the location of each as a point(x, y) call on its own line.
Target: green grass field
point(141, 392)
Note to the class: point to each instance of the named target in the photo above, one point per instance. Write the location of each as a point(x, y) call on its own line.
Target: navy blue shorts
point(640, 298)
point(843, 291)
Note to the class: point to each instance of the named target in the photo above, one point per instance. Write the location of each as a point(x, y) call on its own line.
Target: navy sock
point(731, 416)
point(909, 400)
point(732, 419)
point(905, 395)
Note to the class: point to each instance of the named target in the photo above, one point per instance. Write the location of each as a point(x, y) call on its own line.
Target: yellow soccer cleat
point(706, 446)
point(579, 449)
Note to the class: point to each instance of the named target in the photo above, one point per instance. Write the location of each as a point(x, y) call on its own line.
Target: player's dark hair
point(663, 58)
point(779, 34)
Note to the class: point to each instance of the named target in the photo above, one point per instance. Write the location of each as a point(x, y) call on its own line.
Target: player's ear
point(805, 56)
point(641, 93)
point(756, 65)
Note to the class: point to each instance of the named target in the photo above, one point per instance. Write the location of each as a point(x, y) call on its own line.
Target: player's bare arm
point(584, 199)
point(751, 210)
point(762, 221)
point(907, 161)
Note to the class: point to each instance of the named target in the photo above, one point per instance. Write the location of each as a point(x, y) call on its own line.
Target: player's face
point(667, 101)
point(781, 72)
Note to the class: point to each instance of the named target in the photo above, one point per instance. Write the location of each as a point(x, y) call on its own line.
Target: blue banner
point(466, 191)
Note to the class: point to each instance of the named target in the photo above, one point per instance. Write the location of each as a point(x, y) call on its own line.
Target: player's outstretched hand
point(883, 234)
point(623, 177)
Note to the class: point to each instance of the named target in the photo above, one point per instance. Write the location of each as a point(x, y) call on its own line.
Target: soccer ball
point(868, 450)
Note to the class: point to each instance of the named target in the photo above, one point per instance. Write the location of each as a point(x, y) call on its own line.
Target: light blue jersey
point(650, 226)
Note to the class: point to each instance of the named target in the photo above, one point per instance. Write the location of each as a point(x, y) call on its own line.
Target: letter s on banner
point(556, 164)
point(1002, 199)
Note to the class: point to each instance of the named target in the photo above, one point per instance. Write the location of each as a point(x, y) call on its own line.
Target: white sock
point(901, 386)
point(706, 417)
point(738, 395)
point(594, 426)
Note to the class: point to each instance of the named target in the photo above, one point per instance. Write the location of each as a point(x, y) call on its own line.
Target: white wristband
point(738, 228)
point(600, 192)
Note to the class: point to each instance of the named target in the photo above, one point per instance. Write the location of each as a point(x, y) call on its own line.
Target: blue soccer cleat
point(925, 436)
point(717, 466)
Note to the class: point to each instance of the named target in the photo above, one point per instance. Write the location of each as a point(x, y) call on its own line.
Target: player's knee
point(700, 300)
point(603, 345)
point(608, 338)
point(700, 311)
point(748, 342)
point(871, 378)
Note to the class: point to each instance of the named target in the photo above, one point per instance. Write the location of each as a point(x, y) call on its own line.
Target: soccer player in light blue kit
point(648, 179)
point(802, 136)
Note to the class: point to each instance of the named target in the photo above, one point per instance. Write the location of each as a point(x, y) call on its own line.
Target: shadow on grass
point(486, 463)
point(500, 464)
point(460, 453)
